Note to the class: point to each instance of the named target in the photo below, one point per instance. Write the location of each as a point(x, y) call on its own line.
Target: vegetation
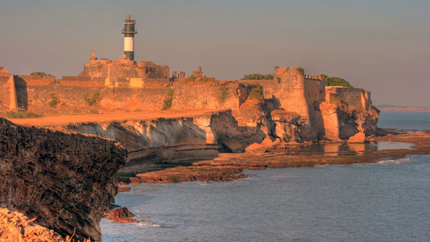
point(224, 92)
point(137, 110)
point(258, 76)
point(167, 103)
point(93, 111)
point(26, 114)
point(54, 101)
point(93, 99)
point(301, 70)
point(276, 67)
point(279, 79)
point(256, 93)
point(194, 79)
point(335, 81)
point(38, 73)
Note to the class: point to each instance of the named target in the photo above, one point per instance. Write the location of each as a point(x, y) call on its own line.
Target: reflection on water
point(336, 149)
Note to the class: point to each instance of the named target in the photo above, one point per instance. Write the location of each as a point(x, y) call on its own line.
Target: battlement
point(1, 68)
point(313, 77)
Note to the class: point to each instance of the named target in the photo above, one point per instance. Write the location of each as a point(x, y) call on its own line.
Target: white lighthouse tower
point(129, 33)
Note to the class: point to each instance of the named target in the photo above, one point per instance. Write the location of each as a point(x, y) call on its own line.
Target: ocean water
point(405, 120)
point(384, 201)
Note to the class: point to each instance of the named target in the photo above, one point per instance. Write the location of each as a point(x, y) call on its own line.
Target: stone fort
point(125, 85)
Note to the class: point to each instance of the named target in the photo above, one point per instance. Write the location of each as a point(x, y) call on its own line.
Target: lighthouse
point(129, 33)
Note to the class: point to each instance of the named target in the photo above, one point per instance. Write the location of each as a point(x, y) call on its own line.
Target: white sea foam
point(394, 161)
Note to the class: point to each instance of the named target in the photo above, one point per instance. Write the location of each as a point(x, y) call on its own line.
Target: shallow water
point(384, 201)
point(387, 201)
point(336, 149)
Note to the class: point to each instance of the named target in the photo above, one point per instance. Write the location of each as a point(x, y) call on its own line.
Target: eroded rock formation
point(66, 181)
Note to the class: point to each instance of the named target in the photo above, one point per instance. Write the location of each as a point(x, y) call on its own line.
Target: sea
point(384, 201)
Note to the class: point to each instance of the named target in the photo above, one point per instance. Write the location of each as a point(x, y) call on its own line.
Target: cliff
point(66, 181)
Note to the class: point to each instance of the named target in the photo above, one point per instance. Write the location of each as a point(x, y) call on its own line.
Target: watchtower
point(129, 33)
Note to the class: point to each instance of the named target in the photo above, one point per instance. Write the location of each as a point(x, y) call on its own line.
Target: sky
point(379, 45)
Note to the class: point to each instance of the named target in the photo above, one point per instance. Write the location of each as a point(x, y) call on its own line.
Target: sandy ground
point(85, 118)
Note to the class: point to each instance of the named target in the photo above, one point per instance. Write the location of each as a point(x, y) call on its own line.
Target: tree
point(258, 76)
point(38, 73)
point(335, 81)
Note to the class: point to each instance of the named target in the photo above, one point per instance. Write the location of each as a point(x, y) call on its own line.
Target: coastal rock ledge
point(65, 181)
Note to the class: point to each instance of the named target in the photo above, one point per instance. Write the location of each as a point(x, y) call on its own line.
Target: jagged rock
point(232, 145)
point(122, 212)
point(287, 125)
point(256, 148)
point(357, 138)
point(66, 181)
point(124, 189)
point(125, 220)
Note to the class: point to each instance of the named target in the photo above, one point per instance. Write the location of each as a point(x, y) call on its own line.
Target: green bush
point(54, 101)
point(224, 92)
point(279, 79)
point(167, 103)
point(335, 81)
point(256, 93)
point(258, 76)
point(26, 114)
point(39, 73)
point(301, 70)
point(93, 111)
point(93, 99)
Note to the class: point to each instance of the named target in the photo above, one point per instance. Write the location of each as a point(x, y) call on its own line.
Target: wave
point(394, 161)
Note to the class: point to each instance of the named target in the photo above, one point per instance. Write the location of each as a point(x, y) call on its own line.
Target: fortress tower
point(129, 32)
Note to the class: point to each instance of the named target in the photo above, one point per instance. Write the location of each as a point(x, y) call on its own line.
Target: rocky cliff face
point(66, 181)
point(175, 139)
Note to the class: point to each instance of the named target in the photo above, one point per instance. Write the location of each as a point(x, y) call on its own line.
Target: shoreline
point(229, 166)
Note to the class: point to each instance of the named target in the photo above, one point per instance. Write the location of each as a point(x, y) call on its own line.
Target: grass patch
point(224, 92)
point(93, 111)
point(93, 99)
point(256, 93)
point(301, 70)
point(54, 101)
point(26, 114)
point(167, 103)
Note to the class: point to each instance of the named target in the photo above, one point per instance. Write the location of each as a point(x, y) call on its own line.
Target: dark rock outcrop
point(117, 213)
point(66, 181)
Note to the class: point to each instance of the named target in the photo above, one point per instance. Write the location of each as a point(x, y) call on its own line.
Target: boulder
point(357, 138)
point(122, 212)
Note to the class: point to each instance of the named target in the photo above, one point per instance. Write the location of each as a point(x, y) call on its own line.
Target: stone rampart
point(5, 90)
point(222, 95)
point(356, 97)
point(34, 80)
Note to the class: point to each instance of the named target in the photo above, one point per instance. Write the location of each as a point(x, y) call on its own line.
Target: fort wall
point(5, 91)
point(356, 97)
point(209, 96)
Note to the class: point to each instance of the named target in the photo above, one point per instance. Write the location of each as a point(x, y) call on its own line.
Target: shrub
point(54, 101)
point(279, 79)
point(258, 76)
point(224, 92)
point(167, 103)
point(335, 81)
point(93, 111)
point(256, 93)
point(93, 99)
point(26, 114)
point(301, 70)
point(137, 110)
point(39, 73)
